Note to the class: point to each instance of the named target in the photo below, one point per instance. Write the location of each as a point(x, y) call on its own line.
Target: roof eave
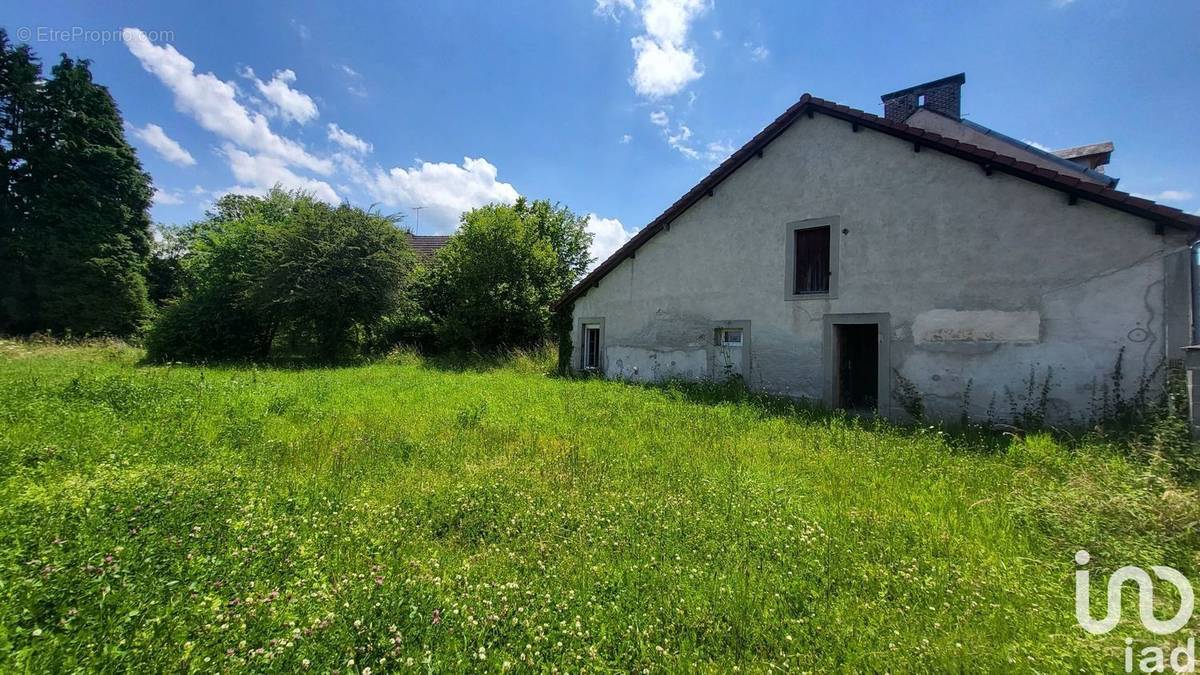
point(1161, 216)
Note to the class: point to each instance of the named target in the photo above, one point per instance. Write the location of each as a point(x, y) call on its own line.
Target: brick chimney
point(940, 96)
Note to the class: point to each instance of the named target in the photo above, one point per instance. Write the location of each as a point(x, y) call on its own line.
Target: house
point(856, 259)
point(425, 246)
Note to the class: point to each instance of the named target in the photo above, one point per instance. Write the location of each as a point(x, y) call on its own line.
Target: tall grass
point(415, 513)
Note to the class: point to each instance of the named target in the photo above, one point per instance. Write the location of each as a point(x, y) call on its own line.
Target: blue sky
point(614, 108)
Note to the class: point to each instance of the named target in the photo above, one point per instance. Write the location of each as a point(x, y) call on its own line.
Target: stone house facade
point(848, 258)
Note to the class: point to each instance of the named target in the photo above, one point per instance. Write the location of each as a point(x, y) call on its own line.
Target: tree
point(284, 271)
point(164, 273)
point(76, 230)
point(567, 235)
point(90, 211)
point(214, 317)
point(19, 98)
point(335, 270)
point(491, 286)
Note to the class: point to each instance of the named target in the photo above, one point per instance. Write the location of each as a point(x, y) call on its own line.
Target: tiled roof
point(426, 245)
point(988, 160)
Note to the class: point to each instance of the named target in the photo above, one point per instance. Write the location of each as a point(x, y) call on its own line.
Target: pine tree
point(79, 210)
point(19, 98)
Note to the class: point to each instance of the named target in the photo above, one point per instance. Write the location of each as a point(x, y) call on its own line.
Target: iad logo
point(1182, 658)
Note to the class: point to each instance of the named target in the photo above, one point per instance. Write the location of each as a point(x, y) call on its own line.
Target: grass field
point(409, 515)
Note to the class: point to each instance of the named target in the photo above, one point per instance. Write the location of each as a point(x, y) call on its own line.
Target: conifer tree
point(19, 97)
point(76, 226)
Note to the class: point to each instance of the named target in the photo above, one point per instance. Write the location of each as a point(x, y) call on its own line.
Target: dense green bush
point(282, 275)
point(493, 284)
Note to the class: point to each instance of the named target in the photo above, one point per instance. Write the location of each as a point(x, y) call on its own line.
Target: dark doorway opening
point(857, 384)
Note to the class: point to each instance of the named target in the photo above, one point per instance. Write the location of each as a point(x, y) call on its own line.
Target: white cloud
point(1037, 145)
point(664, 62)
point(165, 198)
point(662, 69)
point(717, 152)
point(612, 8)
point(301, 30)
point(263, 172)
point(352, 167)
point(757, 52)
point(669, 20)
point(445, 189)
point(1167, 196)
point(239, 190)
point(354, 81)
point(678, 140)
point(213, 103)
point(288, 103)
point(348, 140)
point(625, 139)
point(170, 150)
point(608, 234)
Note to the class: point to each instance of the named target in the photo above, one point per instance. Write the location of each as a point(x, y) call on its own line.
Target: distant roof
point(426, 245)
point(1101, 150)
point(1055, 156)
point(990, 161)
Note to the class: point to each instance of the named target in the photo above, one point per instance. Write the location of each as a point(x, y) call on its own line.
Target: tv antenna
point(417, 212)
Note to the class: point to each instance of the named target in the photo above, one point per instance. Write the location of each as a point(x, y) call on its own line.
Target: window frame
point(586, 324)
point(723, 340)
point(717, 349)
point(835, 235)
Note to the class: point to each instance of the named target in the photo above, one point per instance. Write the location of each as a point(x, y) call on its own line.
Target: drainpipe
point(1192, 352)
point(1192, 251)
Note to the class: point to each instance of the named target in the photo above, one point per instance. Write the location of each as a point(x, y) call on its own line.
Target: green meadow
point(420, 514)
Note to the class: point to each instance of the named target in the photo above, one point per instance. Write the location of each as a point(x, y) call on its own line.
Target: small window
point(921, 100)
point(812, 261)
point(591, 347)
point(730, 337)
